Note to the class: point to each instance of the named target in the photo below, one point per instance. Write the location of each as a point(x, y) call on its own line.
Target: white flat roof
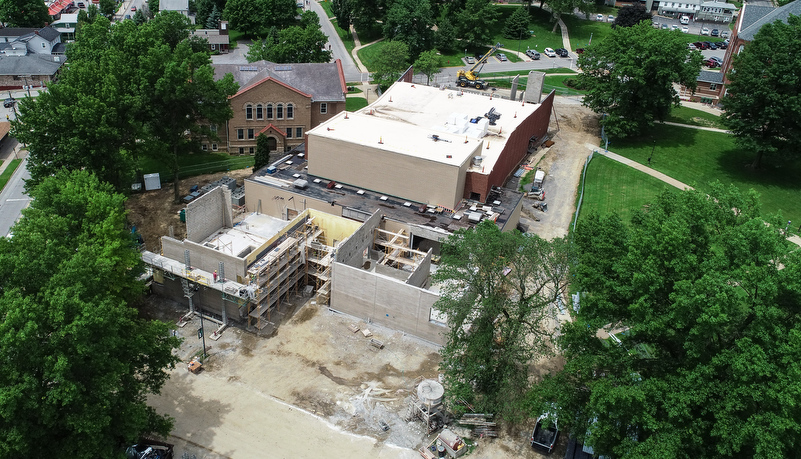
point(254, 231)
point(407, 115)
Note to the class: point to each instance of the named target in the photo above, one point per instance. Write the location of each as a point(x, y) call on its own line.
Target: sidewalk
point(18, 152)
point(639, 167)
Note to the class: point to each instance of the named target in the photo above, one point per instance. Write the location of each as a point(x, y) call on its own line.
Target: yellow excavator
point(465, 78)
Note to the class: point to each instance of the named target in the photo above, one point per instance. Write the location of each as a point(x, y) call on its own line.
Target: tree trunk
point(758, 160)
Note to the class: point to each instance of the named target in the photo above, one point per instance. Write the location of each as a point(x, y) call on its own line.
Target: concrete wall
point(207, 214)
point(371, 168)
point(273, 205)
point(350, 252)
point(385, 301)
point(421, 273)
point(209, 299)
point(336, 228)
point(202, 257)
point(514, 219)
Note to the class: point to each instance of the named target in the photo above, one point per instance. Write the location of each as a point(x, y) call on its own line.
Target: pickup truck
point(545, 437)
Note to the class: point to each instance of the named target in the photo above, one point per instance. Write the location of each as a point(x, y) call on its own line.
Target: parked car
point(724, 34)
point(704, 31)
point(685, 29)
point(550, 52)
point(610, 18)
point(8, 103)
point(704, 45)
point(713, 45)
point(502, 57)
point(722, 45)
point(665, 27)
point(133, 8)
point(714, 33)
point(674, 27)
point(579, 50)
point(471, 60)
point(127, 16)
point(691, 46)
point(600, 17)
point(712, 62)
point(562, 52)
point(655, 24)
point(533, 54)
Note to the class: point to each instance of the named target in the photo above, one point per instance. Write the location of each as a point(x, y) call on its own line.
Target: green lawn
point(552, 82)
point(198, 164)
point(540, 26)
point(581, 30)
point(6, 175)
point(614, 187)
point(327, 7)
point(368, 54)
point(521, 73)
point(698, 157)
point(693, 117)
point(355, 103)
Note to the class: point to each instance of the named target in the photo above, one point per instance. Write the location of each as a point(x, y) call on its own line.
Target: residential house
point(181, 6)
point(29, 57)
point(217, 38)
point(282, 101)
point(65, 25)
point(679, 8)
point(716, 12)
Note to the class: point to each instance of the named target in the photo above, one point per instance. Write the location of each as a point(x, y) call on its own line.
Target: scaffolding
point(319, 259)
point(273, 276)
point(397, 250)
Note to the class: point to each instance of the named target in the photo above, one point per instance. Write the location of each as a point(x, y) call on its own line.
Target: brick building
point(282, 101)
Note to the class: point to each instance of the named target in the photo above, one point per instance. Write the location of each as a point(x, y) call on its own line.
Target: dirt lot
point(315, 388)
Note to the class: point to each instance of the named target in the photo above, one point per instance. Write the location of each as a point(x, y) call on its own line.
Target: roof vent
point(360, 192)
point(296, 175)
point(317, 180)
point(383, 198)
point(248, 68)
point(283, 68)
point(407, 204)
point(301, 184)
point(477, 160)
point(338, 186)
point(474, 217)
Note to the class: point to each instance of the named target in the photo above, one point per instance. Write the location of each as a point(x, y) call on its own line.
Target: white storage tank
point(430, 392)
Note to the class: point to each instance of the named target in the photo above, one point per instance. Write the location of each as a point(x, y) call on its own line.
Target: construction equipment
point(470, 77)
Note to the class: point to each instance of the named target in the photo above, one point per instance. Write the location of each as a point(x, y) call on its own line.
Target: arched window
point(269, 111)
point(290, 111)
point(248, 112)
point(279, 111)
point(259, 112)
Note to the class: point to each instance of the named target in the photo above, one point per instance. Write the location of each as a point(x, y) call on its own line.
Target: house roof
point(212, 36)
point(323, 81)
point(281, 132)
point(59, 48)
point(726, 6)
point(32, 64)
point(710, 77)
point(15, 31)
point(760, 17)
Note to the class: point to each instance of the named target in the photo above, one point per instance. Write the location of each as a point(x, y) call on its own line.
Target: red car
point(133, 8)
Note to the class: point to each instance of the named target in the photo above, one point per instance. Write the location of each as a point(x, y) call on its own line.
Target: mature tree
point(707, 296)
point(498, 289)
point(445, 38)
point(293, 44)
point(23, 13)
point(474, 21)
point(77, 362)
point(368, 15)
point(631, 15)
point(281, 13)
point(629, 76)
point(139, 17)
point(390, 64)
point(563, 7)
point(152, 8)
point(262, 157)
point(342, 11)
point(410, 21)
point(108, 8)
point(248, 16)
point(764, 92)
point(428, 64)
point(203, 11)
point(517, 24)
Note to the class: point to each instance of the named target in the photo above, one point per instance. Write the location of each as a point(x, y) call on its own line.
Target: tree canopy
point(157, 86)
point(703, 297)
point(253, 16)
point(629, 76)
point(631, 15)
point(23, 13)
point(390, 64)
point(428, 64)
point(305, 43)
point(474, 21)
point(764, 92)
point(411, 22)
point(562, 7)
point(516, 25)
point(497, 292)
point(77, 362)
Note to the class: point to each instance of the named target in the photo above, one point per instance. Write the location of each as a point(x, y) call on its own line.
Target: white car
point(704, 31)
point(611, 18)
point(691, 46)
point(600, 17)
point(685, 29)
point(550, 52)
point(674, 27)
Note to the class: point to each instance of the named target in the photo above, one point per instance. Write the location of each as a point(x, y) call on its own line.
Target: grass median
point(8, 172)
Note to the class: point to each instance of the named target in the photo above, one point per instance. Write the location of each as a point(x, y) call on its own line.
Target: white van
point(684, 20)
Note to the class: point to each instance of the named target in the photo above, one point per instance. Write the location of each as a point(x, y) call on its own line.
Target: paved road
point(335, 44)
point(13, 198)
